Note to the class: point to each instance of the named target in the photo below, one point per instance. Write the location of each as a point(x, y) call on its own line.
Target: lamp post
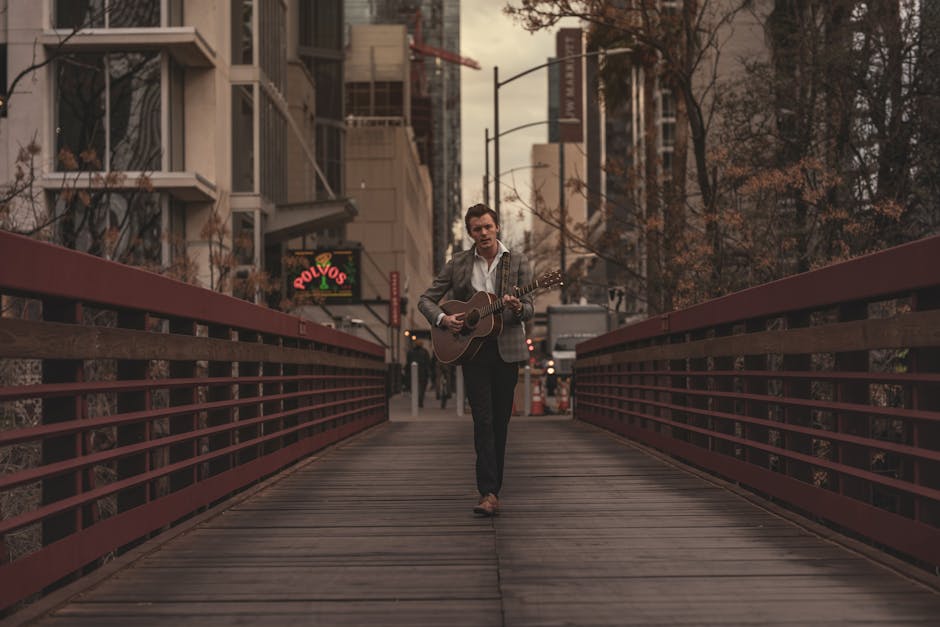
point(563, 221)
point(498, 83)
point(486, 151)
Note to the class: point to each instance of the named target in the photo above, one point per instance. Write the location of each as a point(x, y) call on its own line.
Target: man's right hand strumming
point(453, 323)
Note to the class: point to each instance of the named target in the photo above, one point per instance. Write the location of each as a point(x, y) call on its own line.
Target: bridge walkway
point(593, 531)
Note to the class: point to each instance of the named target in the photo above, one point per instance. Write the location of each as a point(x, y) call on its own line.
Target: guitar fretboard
point(498, 304)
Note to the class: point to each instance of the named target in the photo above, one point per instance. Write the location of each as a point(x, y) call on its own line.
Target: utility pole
point(563, 221)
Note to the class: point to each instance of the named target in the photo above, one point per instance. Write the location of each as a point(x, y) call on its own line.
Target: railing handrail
point(71, 275)
point(852, 280)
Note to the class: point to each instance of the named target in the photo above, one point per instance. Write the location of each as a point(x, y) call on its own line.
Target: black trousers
point(491, 383)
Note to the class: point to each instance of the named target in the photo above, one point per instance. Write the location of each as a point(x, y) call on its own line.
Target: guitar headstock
point(550, 279)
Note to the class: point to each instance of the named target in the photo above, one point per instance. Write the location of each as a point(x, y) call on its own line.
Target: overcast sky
point(492, 38)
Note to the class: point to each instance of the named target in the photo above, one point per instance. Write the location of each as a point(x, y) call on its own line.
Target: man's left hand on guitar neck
point(513, 304)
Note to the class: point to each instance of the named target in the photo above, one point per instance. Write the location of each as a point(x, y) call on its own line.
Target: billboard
point(330, 274)
point(567, 44)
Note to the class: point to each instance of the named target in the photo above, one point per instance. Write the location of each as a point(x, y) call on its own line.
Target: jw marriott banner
point(332, 274)
point(568, 44)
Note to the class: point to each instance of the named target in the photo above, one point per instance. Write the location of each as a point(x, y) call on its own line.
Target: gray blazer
point(454, 279)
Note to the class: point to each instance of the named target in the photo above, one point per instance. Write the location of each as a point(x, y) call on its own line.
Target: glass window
point(87, 137)
point(383, 99)
point(80, 123)
point(243, 131)
point(389, 99)
point(328, 78)
point(667, 164)
point(669, 133)
point(176, 238)
point(242, 41)
point(329, 146)
point(177, 130)
point(133, 14)
point(73, 14)
point(123, 225)
point(135, 111)
point(358, 99)
point(328, 24)
point(175, 13)
point(667, 104)
point(272, 37)
point(243, 237)
point(274, 151)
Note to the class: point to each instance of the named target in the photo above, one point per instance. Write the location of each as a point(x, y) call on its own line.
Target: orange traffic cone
point(538, 405)
point(563, 402)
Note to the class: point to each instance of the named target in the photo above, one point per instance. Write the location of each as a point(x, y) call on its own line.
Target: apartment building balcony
point(291, 220)
point(188, 187)
point(185, 43)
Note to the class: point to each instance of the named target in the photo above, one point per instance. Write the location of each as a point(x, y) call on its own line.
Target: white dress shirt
point(484, 277)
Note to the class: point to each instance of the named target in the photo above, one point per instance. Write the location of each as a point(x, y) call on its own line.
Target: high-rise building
point(385, 174)
point(630, 143)
point(435, 99)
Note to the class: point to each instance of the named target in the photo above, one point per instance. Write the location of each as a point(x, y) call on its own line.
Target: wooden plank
point(398, 612)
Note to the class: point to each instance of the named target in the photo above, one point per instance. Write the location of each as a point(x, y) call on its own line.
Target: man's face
point(483, 230)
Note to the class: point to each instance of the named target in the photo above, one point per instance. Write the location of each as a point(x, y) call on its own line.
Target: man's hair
point(478, 211)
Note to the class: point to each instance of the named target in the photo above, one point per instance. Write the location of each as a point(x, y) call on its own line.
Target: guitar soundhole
point(472, 319)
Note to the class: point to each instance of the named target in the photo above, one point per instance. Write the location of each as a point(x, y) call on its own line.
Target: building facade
point(435, 104)
point(182, 136)
point(384, 170)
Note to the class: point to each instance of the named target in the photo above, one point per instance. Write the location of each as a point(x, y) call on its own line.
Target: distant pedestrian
point(551, 382)
point(419, 355)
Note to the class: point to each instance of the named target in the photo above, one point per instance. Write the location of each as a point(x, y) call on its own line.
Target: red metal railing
point(821, 390)
point(129, 401)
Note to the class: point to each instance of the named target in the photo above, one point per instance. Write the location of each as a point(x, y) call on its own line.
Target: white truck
point(569, 325)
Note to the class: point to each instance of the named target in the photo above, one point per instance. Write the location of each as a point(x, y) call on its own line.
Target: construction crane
point(419, 47)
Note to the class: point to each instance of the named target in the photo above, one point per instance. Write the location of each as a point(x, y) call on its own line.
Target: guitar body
point(482, 317)
point(458, 348)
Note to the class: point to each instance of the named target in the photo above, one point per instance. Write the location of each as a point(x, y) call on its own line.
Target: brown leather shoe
point(488, 505)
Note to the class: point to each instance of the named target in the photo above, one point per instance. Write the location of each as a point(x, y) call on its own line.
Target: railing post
point(414, 388)
point(63, 447)
point(527, 395)
point(138, 431)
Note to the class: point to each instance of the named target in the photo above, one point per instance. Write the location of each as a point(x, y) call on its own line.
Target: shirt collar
point(502, 249)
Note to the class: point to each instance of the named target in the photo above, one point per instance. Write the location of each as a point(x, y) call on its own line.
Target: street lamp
point(497, 84)
point(486, 152)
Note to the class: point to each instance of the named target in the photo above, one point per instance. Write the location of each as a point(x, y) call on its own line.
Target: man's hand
point(513, 304)
point(453, 323)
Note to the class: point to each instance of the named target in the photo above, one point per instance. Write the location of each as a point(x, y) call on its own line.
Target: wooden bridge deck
point(593, 532)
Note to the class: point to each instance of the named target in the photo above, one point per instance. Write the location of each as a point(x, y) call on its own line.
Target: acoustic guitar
point(479, 321)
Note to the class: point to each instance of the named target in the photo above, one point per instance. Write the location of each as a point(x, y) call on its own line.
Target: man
point(419, 355)
point(491, 375)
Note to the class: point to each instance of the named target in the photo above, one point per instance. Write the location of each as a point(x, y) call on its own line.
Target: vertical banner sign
point(394, 301)
point(567, 44)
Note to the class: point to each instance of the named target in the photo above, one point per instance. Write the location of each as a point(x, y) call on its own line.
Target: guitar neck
point(497, 306)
